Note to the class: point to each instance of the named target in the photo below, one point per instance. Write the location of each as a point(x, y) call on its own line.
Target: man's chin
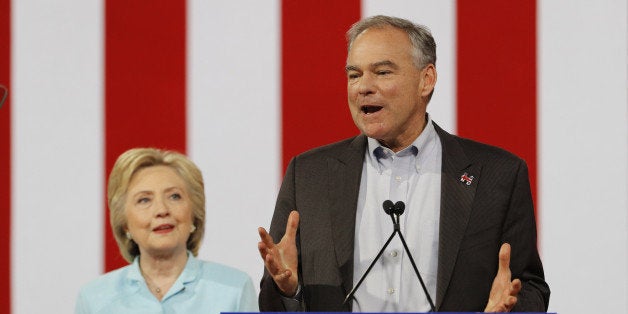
point(373, 129)
point(377, 134)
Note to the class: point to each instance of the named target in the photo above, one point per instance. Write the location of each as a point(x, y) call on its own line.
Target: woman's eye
point(143, 200)
point(175, 196)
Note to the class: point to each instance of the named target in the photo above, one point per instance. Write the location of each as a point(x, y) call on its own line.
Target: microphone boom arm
point(350, 295)
point(416, 270)
point(393, 210)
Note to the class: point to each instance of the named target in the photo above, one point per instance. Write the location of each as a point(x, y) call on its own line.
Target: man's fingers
point(263, 250)
point(271, 265)
point(504, 257)
point(284, 275)
point(292, 225)
point(507, 306)
point(515, 287)
point(510, 303)
point(266, 238)
point(279, 274)
point(264, 247)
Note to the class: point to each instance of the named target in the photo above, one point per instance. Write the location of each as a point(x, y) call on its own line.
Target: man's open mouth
point(370, 109)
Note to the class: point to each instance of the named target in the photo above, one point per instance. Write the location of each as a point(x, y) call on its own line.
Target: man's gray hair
point(424, 51)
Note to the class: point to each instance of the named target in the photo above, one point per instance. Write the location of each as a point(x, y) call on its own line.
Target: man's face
point(387, 92)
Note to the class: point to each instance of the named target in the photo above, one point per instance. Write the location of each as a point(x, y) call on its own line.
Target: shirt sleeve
point(293, 304)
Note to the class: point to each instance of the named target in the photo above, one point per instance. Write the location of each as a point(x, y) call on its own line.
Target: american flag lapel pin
point(466, 178)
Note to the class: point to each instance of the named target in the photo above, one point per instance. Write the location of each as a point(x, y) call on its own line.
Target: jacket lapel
point(345, 173)
point(459, 178)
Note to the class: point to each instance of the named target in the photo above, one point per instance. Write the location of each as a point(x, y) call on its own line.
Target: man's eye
point(352, 76)
point(383, 72)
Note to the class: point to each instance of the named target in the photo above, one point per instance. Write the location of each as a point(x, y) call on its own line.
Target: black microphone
point(399, 208)
point(3, 94)
point(389, 207)
point(393, 209)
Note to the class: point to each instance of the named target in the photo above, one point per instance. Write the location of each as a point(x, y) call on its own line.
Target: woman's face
point(159, 211)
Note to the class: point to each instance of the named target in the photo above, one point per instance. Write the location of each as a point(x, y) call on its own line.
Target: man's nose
point(366, 85)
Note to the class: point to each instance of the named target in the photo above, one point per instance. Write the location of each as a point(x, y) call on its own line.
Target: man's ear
point(428, 78)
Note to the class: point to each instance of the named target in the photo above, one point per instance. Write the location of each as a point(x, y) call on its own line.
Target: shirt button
point(393, 253)
point(391, 291)
point(398, 178)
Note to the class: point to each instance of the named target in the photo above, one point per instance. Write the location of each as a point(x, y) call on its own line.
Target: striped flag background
point(241, 86)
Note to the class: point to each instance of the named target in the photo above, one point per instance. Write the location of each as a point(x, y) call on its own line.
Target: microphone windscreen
point(388, 207)
point(399, 207)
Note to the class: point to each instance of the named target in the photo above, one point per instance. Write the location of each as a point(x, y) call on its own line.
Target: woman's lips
point(165, 228)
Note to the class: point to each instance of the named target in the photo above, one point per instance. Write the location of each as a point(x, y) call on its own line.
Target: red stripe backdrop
point(314, 93)
point(145, 79)
point(496, 63)
point(5, 159)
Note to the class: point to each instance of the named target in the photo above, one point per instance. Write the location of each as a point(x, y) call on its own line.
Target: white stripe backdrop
point(57, 152)
point(234, 122)
point(234, 136)
point(583, 154)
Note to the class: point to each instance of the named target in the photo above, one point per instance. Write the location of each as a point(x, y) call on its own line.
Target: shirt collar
point(377, 152)
point(189, 274)
point(191, 270)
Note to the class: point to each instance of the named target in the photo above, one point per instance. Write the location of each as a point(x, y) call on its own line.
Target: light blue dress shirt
point(202, 287)
point(412, 175)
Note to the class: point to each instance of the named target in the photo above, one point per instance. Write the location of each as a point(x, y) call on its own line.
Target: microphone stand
point(350, 295)
point(397, 210)
point(416, 270)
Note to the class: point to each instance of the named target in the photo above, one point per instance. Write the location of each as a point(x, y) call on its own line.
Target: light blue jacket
point(202, 287)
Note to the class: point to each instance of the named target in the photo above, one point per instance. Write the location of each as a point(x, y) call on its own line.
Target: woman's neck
point(161, 271)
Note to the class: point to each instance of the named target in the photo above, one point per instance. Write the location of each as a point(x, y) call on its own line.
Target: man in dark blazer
point(486, 206)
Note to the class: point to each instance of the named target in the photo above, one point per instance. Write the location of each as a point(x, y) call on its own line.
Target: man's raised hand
point(504, 292)
point(281, 258)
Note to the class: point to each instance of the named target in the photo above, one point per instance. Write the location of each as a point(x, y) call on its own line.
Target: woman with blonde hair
point(157, 212)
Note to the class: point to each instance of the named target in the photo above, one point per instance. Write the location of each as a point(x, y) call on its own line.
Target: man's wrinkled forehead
point(383, 63)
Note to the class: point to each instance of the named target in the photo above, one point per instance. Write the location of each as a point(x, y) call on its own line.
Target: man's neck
point(404, 140)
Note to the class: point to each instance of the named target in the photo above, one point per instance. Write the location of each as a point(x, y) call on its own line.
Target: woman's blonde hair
point(123, 170)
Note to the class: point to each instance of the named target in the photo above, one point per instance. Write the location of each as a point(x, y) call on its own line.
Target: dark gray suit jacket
point(323, 185)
